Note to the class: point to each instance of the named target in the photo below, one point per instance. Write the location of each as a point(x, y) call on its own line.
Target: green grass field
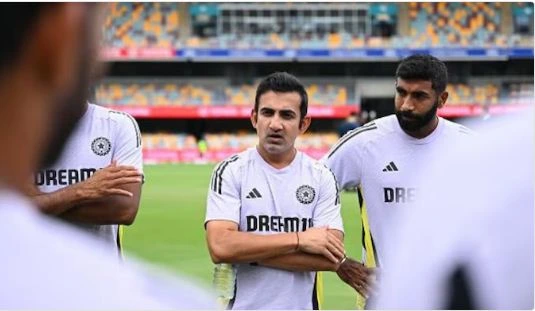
point(169, 228)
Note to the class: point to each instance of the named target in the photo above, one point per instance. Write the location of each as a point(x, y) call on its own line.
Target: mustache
point(409, 114)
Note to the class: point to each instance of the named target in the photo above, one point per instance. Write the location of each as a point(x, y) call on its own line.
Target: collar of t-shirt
point(274, 170)
point(421, 141)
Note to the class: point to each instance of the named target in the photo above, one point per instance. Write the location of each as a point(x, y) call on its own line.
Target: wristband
point(340, 263)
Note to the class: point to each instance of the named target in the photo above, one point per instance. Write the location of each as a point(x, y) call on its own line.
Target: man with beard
point(47, 59)
point(96, 183)
point(381, 157)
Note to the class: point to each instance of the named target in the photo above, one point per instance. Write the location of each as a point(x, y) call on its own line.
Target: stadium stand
point(177, 93)
point(456, 24)
point(169, 141)
point(335, 26)
point(437, 24)
point(142, 25)
point(172, 147)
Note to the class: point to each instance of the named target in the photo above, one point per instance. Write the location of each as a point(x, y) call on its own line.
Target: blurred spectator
point(350, 123)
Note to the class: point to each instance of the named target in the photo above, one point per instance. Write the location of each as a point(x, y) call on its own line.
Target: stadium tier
point(457, 24)
point(176, 93)
point(142, 25)
point(199, 61)
point(184, 148)
point(203, 94)
point(246, 26)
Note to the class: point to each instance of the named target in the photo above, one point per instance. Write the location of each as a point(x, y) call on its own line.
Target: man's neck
point(424, 131)
point(278, 161)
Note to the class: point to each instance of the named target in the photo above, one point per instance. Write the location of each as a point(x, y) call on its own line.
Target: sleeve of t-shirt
point(344, 160)
point(328, 210)
point(223, 201)
point(128, 149)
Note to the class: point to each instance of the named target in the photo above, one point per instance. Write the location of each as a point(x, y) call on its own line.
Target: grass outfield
point(169, 228)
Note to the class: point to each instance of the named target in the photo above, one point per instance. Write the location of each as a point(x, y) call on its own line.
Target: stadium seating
point(176, 93)
point(169, 141)
point(142, 25)
point(518, 93)
point(234, 141)
point(452, 24)
point(490, 94)
point(436, 24)
point(466, 94)
point(222, 141)
point(202, 94)
point(316, 141)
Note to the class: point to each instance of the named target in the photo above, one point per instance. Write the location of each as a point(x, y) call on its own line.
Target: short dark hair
point(282, 82)
point(16, 20)
point(424, 67)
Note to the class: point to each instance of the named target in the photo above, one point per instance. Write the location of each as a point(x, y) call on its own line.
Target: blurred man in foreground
point(469, 243)
point(47, 59)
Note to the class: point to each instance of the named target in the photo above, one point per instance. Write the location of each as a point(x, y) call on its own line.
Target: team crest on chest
point(101, 146)
point(305, 194)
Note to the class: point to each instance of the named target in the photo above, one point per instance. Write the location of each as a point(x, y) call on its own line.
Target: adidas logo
point(253, 194)
point(391, 167)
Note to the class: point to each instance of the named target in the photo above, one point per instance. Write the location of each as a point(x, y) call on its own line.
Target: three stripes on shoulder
point(351, 134)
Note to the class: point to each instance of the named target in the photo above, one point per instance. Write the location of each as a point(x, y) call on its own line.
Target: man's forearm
point(104, 212)
point(300, 261)
point(59, 201)
point(236, 246)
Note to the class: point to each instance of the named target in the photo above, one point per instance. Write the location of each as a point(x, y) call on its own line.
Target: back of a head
point(282, 82)
point(47, 60)
point(16, 21)
point(424, 67)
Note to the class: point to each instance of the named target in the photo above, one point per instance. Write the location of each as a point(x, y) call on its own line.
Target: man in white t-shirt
point(473, 247)
point(96, 183)
point(381, 157)
point(273, 212)
point(44, 264)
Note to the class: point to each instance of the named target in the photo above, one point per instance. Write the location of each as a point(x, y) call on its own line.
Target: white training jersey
point(102, 135)
point(474, 249)
point(381, 159)
point(264, 200)
point(48, 265)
